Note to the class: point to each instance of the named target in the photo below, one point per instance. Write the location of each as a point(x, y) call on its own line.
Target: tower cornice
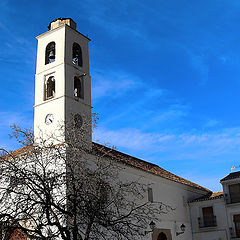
point(62, 26)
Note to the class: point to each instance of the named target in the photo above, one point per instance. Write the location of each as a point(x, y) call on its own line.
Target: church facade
point(63, 91)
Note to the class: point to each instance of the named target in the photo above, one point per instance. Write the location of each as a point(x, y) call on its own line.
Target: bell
point(51, 55)
point(75, 55)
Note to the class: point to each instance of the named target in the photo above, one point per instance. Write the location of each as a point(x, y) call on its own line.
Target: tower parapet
point(62, 21)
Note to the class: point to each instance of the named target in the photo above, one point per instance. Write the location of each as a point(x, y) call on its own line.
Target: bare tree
point(70, 191)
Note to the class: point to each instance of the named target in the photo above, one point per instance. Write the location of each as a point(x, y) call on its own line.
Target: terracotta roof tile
point(231, 176)
point(209, 196)
point(146, 166)
point(17, 152)
point(133, 162)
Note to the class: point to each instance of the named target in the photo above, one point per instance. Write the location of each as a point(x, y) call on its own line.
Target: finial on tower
point(62, 21)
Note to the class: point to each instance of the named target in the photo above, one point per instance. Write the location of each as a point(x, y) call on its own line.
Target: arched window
point(50, 53)
point(50, 88)
point(78, 87)
point(77, 54)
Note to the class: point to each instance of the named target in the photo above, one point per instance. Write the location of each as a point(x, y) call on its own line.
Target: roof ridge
point(231, 175)
point(173, 177)
point(140, 164)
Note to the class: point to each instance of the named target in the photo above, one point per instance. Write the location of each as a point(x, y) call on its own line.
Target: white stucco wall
point(221, 231)
point(172, 193)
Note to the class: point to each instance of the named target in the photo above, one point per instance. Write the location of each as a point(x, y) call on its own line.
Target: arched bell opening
point(78, 87)
point(50, 54)
point(77, 54)
point(50, 88)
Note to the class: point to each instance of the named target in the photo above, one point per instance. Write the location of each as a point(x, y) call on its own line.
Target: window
point(104, 190)
point(50, 53)
point(208, 217)
point(77, 54)
point(234, 191)
point(78, 87)
point(50, 88)
point(236, 220)
point(150, 195)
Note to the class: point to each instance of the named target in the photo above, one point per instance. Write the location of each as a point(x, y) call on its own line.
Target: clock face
point(49, 119)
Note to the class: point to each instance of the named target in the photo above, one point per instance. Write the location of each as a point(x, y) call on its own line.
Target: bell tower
point(62, 82)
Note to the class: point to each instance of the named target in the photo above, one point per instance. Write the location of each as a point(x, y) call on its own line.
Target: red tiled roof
point(231, 176)
point(16, 153)
point(146, 166)
point(210, 196)
point(133, 162)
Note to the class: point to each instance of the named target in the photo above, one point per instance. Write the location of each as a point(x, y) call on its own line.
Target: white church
point(63, 89)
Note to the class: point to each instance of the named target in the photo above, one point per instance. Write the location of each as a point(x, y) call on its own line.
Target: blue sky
point(165, 77)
